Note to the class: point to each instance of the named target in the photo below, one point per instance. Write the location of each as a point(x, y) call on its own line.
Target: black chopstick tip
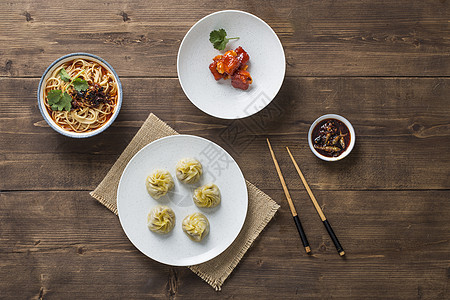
point(334, 238)
point(308, 250)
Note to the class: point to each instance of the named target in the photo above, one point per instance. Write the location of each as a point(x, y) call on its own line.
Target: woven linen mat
point(261, 208)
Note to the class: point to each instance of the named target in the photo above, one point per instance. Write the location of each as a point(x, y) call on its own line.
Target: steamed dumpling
point(159, 183)
point(196, 226)
point(207, 195)
point(161, 219)
point(189, 170)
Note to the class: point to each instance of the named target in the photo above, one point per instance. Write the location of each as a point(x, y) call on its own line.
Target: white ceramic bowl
point(49, 71)
point(267, 65)
point(350, 128)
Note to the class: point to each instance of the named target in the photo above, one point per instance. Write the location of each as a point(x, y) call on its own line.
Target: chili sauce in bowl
point(331, 137)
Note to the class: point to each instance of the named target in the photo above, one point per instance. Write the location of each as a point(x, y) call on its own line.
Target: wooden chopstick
point(319, 210)
point(291, 204)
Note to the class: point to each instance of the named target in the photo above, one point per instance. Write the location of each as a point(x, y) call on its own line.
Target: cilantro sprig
point(219, 38)
point(60, 99)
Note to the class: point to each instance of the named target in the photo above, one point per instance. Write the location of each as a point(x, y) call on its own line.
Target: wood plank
point(396, 121)
point(320, 38)
point(387, 202)
point(58, 244)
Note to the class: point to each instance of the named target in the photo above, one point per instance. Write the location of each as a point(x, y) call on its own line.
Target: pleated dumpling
point(189, 170)
point(207, 195)
point(159, 183)
point(196, 226)
point(161, 219)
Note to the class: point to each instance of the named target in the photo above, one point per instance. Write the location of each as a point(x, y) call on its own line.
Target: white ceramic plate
point(267, 65)
point(134, 203)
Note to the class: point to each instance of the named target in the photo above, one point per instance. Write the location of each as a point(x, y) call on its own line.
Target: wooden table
point(385, 65)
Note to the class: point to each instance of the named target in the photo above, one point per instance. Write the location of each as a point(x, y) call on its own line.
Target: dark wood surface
point(385, 65)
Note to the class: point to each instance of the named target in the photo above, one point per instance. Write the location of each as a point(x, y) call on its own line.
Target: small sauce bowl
point(347, 149)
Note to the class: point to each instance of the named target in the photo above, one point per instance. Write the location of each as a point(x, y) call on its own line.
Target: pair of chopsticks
point(314, 201)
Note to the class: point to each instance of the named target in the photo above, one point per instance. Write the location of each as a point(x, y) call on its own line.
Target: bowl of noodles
point(79, 95)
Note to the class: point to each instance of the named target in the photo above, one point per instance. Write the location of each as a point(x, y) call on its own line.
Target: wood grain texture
point(62, 244)
point(320, 38)
point(396, 121)
point(384, 65)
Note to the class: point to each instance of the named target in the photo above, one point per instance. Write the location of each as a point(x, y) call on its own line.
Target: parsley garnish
point(80, 84)
point(64, 75)
point(219, 38)
point(61, 100)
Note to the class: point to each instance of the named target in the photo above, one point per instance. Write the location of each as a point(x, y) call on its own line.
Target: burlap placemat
point(261, 208)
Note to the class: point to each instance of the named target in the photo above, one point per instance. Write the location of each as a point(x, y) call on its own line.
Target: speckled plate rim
point(180, 49)
point(209, 253)
point(50, 121)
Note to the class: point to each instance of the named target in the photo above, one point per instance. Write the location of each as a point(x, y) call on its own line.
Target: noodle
point(86, 117)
